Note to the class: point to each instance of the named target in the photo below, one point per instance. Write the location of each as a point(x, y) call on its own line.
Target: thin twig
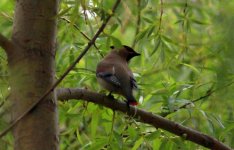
point(85, 69)
point(208, 93)
point(90, 43)
point(184, 28)
point(82, 33)
point(160, 19)
point(138, 22)
point(77, 28)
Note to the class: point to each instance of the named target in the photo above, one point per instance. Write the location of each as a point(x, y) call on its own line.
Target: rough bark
point(31, 65)
point(142, 116)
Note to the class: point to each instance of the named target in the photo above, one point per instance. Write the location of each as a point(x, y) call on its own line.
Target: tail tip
point(133, 103)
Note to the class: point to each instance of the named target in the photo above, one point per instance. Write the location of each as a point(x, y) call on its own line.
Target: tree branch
point(64, 94)
point(5, 43)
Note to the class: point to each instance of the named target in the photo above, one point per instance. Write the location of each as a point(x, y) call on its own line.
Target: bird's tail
point(132, 101)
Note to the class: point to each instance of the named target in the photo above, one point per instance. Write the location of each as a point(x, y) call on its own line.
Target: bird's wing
point(109, 77)
point(117, 75)
point(133, 83)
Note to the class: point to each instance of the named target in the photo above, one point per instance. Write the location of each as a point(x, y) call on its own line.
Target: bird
point(114, 75)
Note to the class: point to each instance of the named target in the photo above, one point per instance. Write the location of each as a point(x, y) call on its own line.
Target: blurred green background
point(185, 72)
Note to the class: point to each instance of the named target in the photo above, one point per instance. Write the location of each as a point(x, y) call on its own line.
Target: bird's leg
point(109, 95)
point(128, 105)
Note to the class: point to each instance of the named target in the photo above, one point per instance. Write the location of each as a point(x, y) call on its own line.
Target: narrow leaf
point(138, 143)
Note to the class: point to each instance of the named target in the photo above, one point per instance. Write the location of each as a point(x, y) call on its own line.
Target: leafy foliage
point(185, 71)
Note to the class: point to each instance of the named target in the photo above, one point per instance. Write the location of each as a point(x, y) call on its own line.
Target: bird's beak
point(137, 54)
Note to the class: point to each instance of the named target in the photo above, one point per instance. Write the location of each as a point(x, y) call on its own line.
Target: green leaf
point(199, 22)
point(63, 12)
point(79, 137)
point(163, 145)
point(183, 88)
point(152, 136)
point(162, 53)
point(144, 3)
point(141, 35)
point(210, 122)
point(191, 67)
point(218, 120)
point(132, 132)
point(148, 20)
point(157, 44)
point(227, 131)
point(71, 55)
point(98, 144)
point(150, 30)
point(113, 28)
point(118, 138)
point(138, 143)
point(167, 39)
point(94, 122)
point(179, 21)
point(116, 42)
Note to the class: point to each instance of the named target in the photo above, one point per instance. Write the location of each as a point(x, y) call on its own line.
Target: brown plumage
point(114, 74)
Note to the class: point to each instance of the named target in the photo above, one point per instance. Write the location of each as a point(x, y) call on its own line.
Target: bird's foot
point(110, 95)
point(128, 104)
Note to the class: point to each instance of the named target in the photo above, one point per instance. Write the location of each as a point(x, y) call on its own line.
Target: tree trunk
point(31, 65)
